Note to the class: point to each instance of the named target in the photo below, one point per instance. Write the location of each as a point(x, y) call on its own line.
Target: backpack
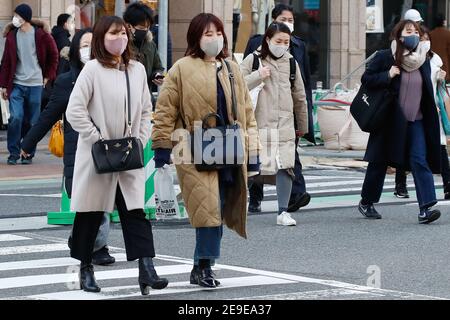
point(292, 63)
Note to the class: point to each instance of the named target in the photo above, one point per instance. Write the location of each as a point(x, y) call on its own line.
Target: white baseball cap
point(414, 15)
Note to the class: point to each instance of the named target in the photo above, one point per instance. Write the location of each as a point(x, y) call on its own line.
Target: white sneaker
point(286, 220)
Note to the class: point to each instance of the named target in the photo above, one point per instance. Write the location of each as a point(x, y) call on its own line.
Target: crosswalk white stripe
point(12, 237)
point(16, 195)
point(72, 276)
point(173, 288)
point(48, 263)
point(33, 249)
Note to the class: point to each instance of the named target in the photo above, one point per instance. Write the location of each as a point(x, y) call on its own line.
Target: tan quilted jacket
point(190, 93)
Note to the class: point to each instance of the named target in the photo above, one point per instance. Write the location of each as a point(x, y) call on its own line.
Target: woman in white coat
point(100, 97)
point(281, 108)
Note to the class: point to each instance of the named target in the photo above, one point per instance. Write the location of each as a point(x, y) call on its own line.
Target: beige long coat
point(275, 110)
point(100, 94)
point(190, 93)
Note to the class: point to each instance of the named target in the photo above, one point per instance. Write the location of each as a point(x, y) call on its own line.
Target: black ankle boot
point(148, 277)
point(207, 278)
point(195, 277)
point(87, 278)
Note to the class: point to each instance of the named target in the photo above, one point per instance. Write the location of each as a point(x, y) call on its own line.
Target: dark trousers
point(423, 178)
point(400, 175)
point(136, 229)
point(256, 189)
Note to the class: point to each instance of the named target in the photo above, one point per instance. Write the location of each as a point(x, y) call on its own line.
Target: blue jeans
point(423, 178)
point(25, 108)
point(208, 240)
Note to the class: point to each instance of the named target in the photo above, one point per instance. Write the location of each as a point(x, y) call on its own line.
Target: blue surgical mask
point(411, 42)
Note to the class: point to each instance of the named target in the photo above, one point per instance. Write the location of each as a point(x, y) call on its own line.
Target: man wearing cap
point(29, 61)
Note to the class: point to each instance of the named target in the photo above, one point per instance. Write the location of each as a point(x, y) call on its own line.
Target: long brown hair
point(195, 33)
point(397, 34)
point(99, 51)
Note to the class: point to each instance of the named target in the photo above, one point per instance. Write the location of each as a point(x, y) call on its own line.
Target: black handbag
point(120, 154)
point(371, 107)
point(222, 146)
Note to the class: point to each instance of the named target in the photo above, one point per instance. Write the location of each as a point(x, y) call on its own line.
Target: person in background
point(281, 103)
point(440, 43)
point(410, 138)
point(299, 197)
point(29, 62)
point(237, 7)
point(155, 30)
point(61, 34)
point(139, 19)
point(79, 54)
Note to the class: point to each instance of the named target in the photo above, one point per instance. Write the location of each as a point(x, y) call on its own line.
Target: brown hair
point(274, 28)
point(99, 51)
point(397, 34)
point(195, 33)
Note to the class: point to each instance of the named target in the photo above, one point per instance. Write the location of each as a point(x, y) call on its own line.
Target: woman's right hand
point(395, 71)
point(265, 72)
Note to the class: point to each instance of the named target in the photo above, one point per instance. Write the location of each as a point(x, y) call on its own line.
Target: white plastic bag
point(165, 198)
point(4, 106)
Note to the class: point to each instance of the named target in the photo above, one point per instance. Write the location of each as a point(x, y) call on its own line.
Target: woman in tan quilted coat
point(196, 86)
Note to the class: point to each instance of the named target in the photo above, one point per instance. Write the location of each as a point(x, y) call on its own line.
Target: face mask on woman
point(85, 55)
point(278, 50)
point(411, 42)
point(212, 48)
point(117, 46)
point(17, 22)
point(290, 26)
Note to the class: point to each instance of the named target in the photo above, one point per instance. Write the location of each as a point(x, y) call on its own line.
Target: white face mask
point(212, 48)
point(85, 54)
point(278, 51)
point(426, 45)
point(290, 26)
point(17, 22)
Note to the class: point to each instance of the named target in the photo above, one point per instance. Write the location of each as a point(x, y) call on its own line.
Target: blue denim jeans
point(25, 108)
point(423, 177)
point(208, 240)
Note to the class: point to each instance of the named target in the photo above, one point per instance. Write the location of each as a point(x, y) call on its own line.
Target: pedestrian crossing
point(44, 271)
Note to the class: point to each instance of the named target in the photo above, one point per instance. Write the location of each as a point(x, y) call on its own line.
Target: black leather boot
point(195, 277)
point(87, 278)
point(148, 277)
point(207, 278)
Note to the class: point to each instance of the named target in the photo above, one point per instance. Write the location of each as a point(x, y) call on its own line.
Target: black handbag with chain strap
point(120, 154)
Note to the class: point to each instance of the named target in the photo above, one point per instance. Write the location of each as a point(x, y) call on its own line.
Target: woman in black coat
point(410, 138)
point(54, 111)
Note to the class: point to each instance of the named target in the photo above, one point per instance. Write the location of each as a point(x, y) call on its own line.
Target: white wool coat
point(99, 94)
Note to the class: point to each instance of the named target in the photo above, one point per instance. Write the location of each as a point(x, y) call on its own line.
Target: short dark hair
point(138, 13)
point(99, 51)
point(62, 19)
point(279, 8)
point(195, 33)
point(273, 29)
point(74, 53)
point(439, 21)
